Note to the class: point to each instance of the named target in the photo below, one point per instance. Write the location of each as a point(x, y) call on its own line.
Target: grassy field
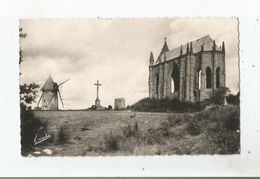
point(112, 133)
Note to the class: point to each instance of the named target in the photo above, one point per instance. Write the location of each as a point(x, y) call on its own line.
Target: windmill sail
point(51, 99)
point(61, 99)
point(39, 101)
point(64, 82)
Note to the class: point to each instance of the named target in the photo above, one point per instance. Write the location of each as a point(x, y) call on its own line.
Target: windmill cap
point(48, 85)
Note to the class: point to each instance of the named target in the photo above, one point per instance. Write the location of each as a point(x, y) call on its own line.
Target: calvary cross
point(97, 84)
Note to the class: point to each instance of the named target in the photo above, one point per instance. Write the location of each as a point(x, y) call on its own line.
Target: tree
point(233, 99)
point(21, 36)
point(29, 124)
point(28, 92)
point(218, 96)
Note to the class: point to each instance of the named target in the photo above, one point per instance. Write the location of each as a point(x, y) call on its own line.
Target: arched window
point(175, 85)
point(172, 85)
point(199, 79)
point(157, 83)
point(208, 77)
point(218, 77)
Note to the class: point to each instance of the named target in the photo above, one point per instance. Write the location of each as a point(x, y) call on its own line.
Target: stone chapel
point(189, 72)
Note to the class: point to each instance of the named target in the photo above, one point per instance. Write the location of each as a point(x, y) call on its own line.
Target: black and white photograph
point(129, 86)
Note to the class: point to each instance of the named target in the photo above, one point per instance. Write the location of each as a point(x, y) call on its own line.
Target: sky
point(115, 52)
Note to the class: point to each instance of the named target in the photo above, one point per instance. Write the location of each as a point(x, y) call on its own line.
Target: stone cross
point(97, 84)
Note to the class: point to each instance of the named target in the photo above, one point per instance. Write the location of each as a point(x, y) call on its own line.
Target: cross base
point(97, 102)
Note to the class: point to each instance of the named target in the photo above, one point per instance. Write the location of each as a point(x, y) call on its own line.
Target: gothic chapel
point(189, 72)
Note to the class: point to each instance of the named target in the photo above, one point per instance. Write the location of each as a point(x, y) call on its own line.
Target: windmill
point(50, 92)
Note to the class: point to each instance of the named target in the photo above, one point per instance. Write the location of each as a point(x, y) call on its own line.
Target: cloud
point(184, 30)
point(113, 51)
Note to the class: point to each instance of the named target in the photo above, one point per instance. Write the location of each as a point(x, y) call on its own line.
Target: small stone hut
point(119, 103)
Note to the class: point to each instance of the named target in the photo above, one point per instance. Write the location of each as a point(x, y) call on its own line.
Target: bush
point(216, 113)
point(225, 142)
point(218, 97)
point(85, 127)
point(193, 128)
point(111, 141)
point(223, 134)
point(63, 135)
point(232, 121)
point(28, 94)
point(131, 130)
point(174, 119)
point(233, 99)
point(163, 129)
point(204, 103)
point(154, 136)
point(29, 128)
point(220, 117)
point(110, 107)
point(165, 105)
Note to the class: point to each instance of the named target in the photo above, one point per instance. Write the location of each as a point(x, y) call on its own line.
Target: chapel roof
point(206, 41)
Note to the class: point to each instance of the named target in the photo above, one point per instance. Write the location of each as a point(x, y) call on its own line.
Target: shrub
point(165, 105)
point(193, 128)
point(233, 99)
point(223, 134)
point(218, 97)
point(111, 141)
point(63, 135)
point(232, 121)
point(223, 116)
point(225, 142)
point(85, 127)
point(204, 103)
point(153, 136)
point(212, 114)
point(164, 128)
point(173, 119)
point(131, 130)
point(130, 144)
point(29, 128)
point(28, 94)
point(178, 134)
point(216, 113)
point(110, 107)
point(93, 107)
